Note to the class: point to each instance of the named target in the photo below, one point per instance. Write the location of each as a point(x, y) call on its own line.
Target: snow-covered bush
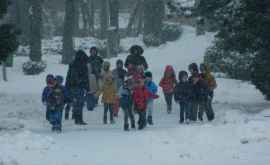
point(171, 32)
point(233, 64)
point(34, 68)
point(152, 40)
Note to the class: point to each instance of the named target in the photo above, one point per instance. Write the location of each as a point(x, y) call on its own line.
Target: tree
point(154, 12)
point(113, 32)
point(8, 38)
point(104, 18)
point(69, 23)
point(35, 35)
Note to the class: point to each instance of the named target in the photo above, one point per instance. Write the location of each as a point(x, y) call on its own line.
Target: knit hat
point(49, 77)
point(182, 74)
point(59, 79)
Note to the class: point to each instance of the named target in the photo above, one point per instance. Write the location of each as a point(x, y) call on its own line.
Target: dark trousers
point(56, 119)
point(168, 98)
point(194, 110)
point(108, 108)
point(199, 107)
point(128, 115)
point(78, 103)
point(184, 111)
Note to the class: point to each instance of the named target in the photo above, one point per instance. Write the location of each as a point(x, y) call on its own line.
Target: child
point(152, 88)
point(199, 93)
point(182, 95)
point(212, 85)
point(91, 99)
point(125, 96)
point(167, 84)
point(108, 92)
point(46, 92)
point(140, 97)
point(119, 74)
point(56, 102)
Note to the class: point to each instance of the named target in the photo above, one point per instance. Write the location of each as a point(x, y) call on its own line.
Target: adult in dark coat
point(135, 58)
point(77, 84)
point(96, 62)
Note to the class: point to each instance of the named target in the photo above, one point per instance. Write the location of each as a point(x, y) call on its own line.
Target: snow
point(238, 136)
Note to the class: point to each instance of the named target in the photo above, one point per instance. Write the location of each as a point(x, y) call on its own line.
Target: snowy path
point(239, 118)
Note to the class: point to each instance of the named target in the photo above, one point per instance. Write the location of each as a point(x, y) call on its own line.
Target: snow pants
point(56, 119)
point(150, 107)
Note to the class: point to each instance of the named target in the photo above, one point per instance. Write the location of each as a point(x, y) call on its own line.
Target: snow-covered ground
point(239, 136)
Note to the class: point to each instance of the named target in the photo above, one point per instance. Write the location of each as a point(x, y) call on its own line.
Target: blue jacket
point(66, 94)
point(151, 87)
point(125, 98)
point(45, 94)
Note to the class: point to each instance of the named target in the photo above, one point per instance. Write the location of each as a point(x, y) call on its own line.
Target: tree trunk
point(133, 17)
point(92, 18)
point(113, 36)
point(77, 17)
point(85, 8)
point(69, 23)
point(4, 71)
point(154, 12)
point(35, 36)
point(104, 18)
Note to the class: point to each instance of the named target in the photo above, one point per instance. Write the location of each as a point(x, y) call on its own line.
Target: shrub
point(171, 32)
point(34, 68)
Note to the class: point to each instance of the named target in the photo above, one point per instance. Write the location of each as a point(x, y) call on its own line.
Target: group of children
point(193, 93)
point(134, 92)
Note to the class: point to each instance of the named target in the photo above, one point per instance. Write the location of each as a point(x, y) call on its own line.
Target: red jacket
point(140, 97)
point(168, 84)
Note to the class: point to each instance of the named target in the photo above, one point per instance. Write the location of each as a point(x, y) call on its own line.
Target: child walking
point(152, 89)
point(46, 91)
point(56, 102)
point(212, 85)
point(199, 93)
point(167, 83)
point(108, 92)
point(140, 97)
point(182, 95)
point(119, 74)
point(125, 95)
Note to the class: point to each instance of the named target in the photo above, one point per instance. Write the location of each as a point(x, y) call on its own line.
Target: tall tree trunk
point(92, 18)
point(69, 23)
point(35, 36)
point(77, 17)
point(113, 36)
point(4, 71)
point(154, 12)
point(104, 18)
point(85, 8)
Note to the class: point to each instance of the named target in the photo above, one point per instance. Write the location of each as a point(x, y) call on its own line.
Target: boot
point(76, 119)
point(126, 127)
point(150, 120)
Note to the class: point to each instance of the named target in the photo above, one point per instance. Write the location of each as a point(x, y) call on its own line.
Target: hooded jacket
point(168, 83)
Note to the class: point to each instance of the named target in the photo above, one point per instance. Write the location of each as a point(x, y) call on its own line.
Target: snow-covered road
point(239, 136)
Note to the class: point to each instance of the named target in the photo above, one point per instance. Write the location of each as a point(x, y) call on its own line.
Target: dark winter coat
point(119, 76)
point(77, 76)
point(96, 63)
point(56, 98)
point(200, 90)
point(183, 92)
point(135, 61)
